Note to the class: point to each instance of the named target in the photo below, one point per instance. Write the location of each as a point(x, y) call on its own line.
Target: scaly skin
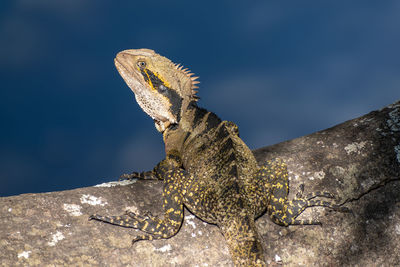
point(207, 168)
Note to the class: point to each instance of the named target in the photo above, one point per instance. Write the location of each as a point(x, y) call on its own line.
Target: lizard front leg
point(158, 173)
point(153, 226)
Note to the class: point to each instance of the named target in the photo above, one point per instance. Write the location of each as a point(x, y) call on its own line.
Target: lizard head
point(162, 89)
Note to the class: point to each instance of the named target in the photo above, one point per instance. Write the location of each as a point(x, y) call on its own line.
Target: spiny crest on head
point(193, 80)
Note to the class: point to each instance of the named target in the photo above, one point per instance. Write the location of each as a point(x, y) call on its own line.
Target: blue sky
point(280, 70)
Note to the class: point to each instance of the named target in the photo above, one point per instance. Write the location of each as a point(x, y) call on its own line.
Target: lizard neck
point(185, 118)
point(187, 106)
point(194, 121)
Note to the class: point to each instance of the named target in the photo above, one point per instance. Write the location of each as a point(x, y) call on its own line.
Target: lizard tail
point(243, 241)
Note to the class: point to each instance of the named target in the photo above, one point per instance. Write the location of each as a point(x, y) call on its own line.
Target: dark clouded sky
point(279, 69)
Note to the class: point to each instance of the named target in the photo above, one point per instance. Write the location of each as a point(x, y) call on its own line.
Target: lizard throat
point(161, 126)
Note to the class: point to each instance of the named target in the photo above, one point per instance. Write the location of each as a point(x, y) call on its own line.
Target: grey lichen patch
point(24, 254)
point(133, 209)
point(397, 151)
point(355, 147)
point(164, 249)
point(394, 119)
point(189, 221)
point(319, 175)
point(394, 124)
point(73, 209)
point(278, 259)
point(120, 183)
point(364, 121)
point(397, 229)
point(92, 200)
point(55, 238)
point(346, 177)
point(321, 143)
point(337, 171)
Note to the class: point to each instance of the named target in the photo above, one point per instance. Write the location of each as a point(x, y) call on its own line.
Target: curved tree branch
point(358, 161)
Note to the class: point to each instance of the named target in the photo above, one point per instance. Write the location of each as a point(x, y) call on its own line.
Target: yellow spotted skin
point(212, 172)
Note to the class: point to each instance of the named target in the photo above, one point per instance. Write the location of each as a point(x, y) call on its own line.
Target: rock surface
point(358, 161)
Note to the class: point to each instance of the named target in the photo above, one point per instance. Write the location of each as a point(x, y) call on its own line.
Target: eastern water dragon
point(208, 168)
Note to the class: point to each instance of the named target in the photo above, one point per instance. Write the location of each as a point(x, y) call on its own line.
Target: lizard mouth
point(126, 70)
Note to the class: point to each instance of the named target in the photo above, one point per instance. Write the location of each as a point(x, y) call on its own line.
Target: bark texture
point(358, 161)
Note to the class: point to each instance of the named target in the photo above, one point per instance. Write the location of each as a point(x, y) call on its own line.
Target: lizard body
point(207, 168)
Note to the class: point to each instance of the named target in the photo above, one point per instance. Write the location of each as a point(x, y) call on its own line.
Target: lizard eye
point(141, 64)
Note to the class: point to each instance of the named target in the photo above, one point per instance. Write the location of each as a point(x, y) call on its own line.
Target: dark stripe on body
point(221, 133)
point(227, 146)
point(198, 116)
point(225, 159)
point(186, 137)
point(192, 105)
point(233, 171)
point(212, 122)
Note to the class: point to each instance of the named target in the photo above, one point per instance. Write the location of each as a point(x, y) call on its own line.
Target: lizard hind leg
point(291, 209)
point(283, 211)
